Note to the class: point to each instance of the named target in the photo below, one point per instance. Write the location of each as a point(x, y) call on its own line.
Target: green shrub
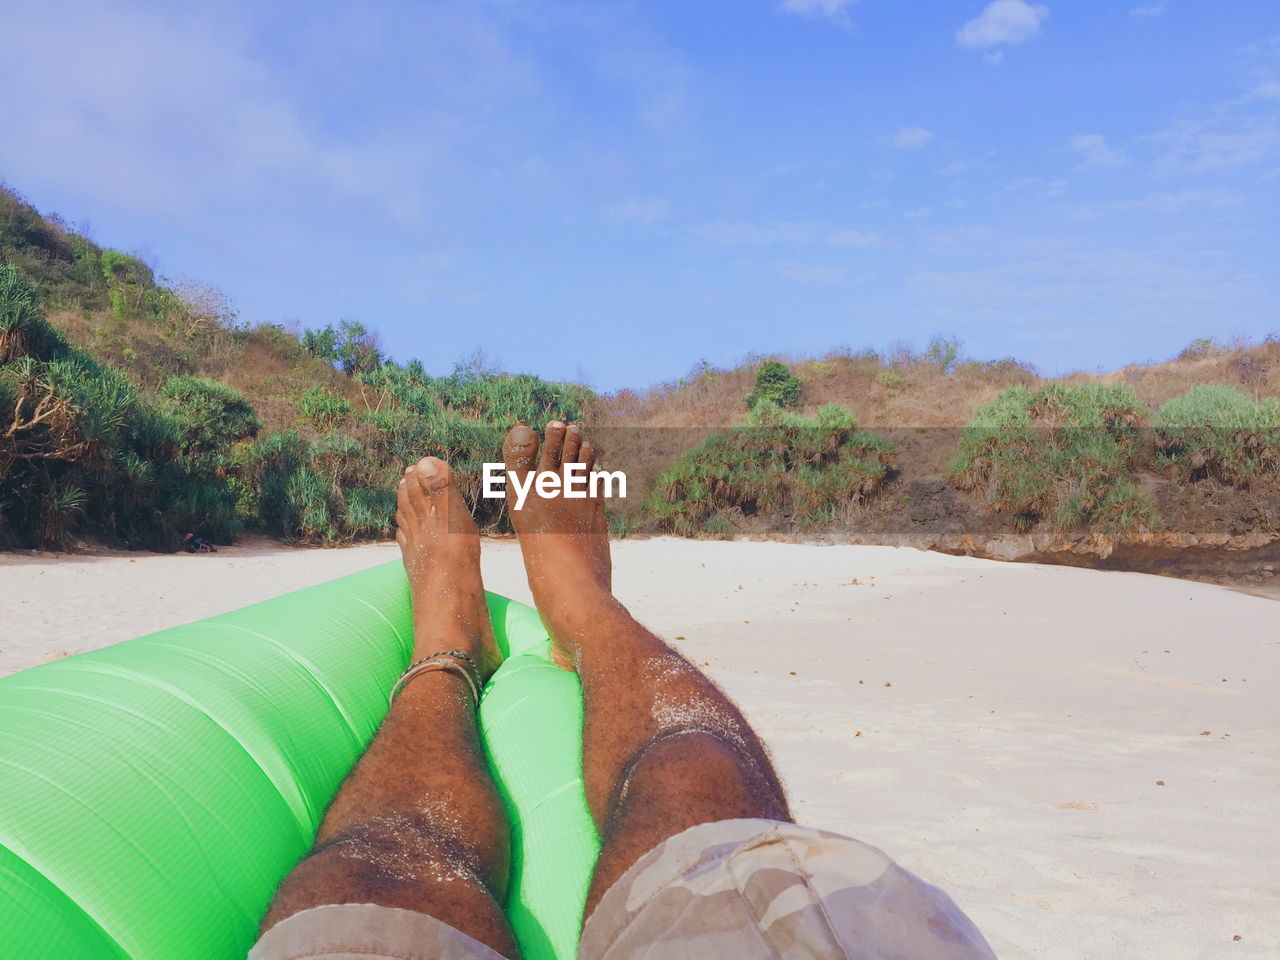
point(1061, 455)
point(780, 468)
point(321, 407)
point(23, 330)
point(211, 414)
point(621, 526)
point(63, 264)
point(19, 314)
point(1219, 432)
point(80, 449)
point(777, 385)
point(370, 511)
point(461, 419)
point(128, 280)
point(262, 479)
point(211, 420)
point(1201, 349)
point(944, 352)
point(892, 381)
point(350, 345)
point(323, 491)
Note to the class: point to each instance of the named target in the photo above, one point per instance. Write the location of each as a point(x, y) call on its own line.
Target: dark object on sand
point(193, 544)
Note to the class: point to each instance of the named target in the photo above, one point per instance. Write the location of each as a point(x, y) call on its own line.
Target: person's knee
point(693, 754)
point(696, 776)
point(393, 861)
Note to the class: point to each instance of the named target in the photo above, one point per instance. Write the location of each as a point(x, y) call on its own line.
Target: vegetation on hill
point(779, 470)
point(1061, 455)
point(168, 415)
point(1217, 432)
point(79, 446)
point(134, 409)
point(777, 385)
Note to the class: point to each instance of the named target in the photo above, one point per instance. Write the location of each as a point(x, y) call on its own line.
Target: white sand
point(1002, 730)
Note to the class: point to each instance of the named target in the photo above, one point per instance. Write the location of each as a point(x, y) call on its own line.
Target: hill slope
point(133, 411)
point(221, 426)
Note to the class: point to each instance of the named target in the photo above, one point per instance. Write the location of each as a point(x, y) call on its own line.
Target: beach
point(1088, 762)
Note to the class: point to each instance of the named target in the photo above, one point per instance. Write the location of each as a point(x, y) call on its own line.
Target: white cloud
point(1267, 88)
point(1003, 22)
point(812, 272)
point(1135, 293)
point(642, 210)
point(910, 138)
point(1201, 201)
point(656, 76)
point(1199, 147)
point(959, 240)
point(1223, 139)
point(184, 114)
point(917, 213)
point(749, 233)
point(797, 234)
point(1215, 198)
point(967, 165)
point(855, 238)
point(1267, 46)
point(434, 276)
point(1148, 11)
point(1096, 152)
point(1233, 133)
point(836, 10)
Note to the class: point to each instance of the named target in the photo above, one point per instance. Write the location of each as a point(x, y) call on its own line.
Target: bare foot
point(441, 550)
point(565, 541)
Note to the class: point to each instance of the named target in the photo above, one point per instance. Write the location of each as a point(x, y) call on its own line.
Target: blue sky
point(616, 190)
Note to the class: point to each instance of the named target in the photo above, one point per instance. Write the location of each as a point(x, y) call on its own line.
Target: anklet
point(453, 661)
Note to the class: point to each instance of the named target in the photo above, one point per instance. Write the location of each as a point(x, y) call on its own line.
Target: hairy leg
point(663, 748)
point(418, 824)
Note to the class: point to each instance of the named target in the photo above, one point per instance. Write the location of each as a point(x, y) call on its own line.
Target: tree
point(19, 314)
point(211, 415)
point(944, 351)
point(775, 383)
point(128, 280)
point(351, 346)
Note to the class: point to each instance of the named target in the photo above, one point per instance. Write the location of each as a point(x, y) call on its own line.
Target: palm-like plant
point(19, 313)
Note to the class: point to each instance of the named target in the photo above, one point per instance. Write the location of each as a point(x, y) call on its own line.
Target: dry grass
point(265, 364)
point(1251, 368)
point(920, 394)
point(899, 395)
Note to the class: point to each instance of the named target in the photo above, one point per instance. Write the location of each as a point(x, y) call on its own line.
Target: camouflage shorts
point(744, 889)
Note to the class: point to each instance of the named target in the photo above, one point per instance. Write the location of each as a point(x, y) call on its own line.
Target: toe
point(572, 444)
point(434, 475)
point(406, 512)
point(520, 449)
point(413, 494)
point(434, 480)
point(441, 485)
point(552, 446)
